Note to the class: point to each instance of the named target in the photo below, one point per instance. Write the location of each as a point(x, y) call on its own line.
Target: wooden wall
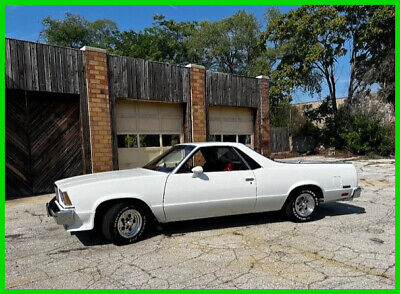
point(140, 79)
point(280, 140)
point(42, 139)
point(231, 90)
point(38, 67)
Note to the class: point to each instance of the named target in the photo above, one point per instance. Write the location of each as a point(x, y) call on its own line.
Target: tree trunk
point(352, 87)
point(333, 95)
point(330, 79)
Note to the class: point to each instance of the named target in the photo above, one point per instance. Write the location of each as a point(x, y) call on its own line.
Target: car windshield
point(170, 159)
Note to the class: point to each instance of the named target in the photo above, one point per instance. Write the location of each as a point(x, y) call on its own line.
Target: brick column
point(263, 131)
point(197, 102)
point(98, 108)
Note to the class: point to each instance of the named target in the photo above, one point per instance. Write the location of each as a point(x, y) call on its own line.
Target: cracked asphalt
point(349, 245)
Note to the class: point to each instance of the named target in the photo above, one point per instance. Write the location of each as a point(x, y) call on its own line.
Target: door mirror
point(196, 171)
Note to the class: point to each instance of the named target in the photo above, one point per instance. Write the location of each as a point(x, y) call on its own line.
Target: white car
point(193, 181)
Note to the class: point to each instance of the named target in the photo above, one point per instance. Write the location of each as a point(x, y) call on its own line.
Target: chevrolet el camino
point(197, 180)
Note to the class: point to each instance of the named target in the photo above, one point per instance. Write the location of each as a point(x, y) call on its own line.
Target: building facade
point(71, 112)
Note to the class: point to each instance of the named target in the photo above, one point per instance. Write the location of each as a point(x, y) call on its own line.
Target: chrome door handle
point(249, 179)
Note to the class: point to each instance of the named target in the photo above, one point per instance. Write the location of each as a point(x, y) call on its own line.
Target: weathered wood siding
point(140, 79)
point(280, 140)
point(231, 90)
point(38, 67)
point(43, 141)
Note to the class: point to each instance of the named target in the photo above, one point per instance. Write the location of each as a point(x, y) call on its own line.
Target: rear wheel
point(124, 223)
point(302, 206)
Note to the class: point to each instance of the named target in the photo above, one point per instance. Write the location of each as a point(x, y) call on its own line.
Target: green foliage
point(375, 41)
point(165, 41)
point(228, 45)
point(311, 39)
point(75, 31)
point(366, 136)
point(280, 113)
point(308, 129)
point(358, 134)
point(372, 38)
point(321, 114)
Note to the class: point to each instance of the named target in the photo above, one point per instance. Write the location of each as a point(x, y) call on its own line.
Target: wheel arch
point(103, 206)
point(319, 192)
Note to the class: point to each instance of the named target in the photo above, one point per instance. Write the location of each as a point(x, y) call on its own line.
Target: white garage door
point(145, 130)
point(231, 124)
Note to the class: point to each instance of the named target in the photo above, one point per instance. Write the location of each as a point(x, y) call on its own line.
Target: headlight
point(65, 198)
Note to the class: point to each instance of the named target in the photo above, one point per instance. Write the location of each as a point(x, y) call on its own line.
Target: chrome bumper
point(64, 217)
point(355, 194)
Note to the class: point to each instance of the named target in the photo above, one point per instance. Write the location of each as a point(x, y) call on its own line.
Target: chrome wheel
point(129, 223)
point(304, 204)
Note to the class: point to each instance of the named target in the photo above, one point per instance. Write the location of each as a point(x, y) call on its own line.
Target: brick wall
point(99, 109)
point(197, 102)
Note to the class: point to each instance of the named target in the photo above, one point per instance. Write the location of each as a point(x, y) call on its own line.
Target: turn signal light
point(66, 199)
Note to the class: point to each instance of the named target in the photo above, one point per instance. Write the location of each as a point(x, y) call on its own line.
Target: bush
point(356, 129)
point(360, 135)
point(308, 129)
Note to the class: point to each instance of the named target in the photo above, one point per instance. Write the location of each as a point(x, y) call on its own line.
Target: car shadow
point(338, 209)
point(93, 238)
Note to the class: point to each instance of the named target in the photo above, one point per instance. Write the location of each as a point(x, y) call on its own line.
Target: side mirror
point(196, 171)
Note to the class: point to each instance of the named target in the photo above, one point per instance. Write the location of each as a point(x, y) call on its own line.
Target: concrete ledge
point(95, 49)
point(192, 65)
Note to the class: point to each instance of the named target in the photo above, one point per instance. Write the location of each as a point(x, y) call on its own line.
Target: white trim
point(192, 65)
point(262, 77)
point(95, 49)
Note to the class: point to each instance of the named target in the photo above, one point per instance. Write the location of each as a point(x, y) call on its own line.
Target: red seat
point(229, 166)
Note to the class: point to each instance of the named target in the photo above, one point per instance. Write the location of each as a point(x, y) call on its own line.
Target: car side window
point(214, 159)
point(250, 161)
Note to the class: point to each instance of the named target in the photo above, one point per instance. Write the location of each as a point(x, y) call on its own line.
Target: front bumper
point(62, 216)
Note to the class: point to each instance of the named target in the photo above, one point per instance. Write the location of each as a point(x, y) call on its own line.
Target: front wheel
point(124, 223)
point(302, 206)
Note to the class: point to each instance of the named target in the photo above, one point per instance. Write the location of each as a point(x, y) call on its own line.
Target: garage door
point(145, 130)
point(42, 141)
point(231, 124)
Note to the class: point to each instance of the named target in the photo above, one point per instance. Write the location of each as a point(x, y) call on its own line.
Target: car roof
point(260, 159)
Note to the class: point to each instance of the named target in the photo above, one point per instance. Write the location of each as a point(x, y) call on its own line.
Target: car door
point(227, 186)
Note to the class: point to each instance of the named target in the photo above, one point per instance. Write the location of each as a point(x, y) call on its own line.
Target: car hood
point(105, 176)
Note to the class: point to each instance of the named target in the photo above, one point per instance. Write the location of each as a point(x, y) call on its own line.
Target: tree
point(228, 45)
point(165, 41)
point(312, 38)
point(377, 42)
point(372, 38)
point(75, 31)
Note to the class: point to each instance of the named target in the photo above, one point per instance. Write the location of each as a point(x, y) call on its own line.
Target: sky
point(24, 22)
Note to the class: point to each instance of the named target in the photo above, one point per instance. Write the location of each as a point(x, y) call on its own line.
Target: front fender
point(157, 210)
